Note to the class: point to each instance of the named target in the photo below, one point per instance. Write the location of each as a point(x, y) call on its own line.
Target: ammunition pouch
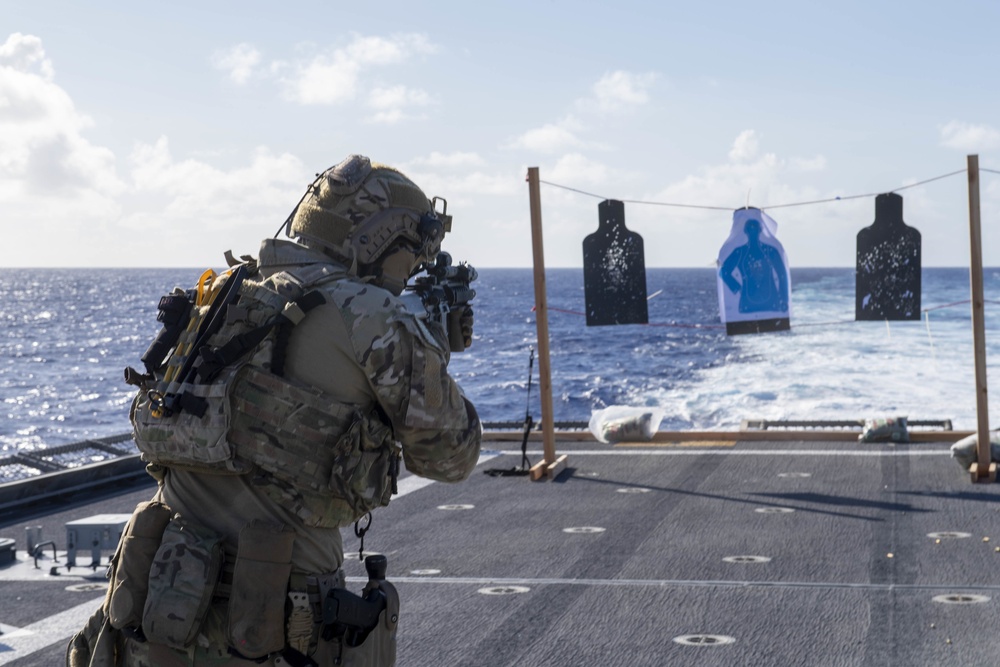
point(260, 582)
point(334, 464)
point(183, 577)
point(327, 462)
point(131, 564)
point(167, 573)
point(188, 439)
point(365, 467)
point(101, 643)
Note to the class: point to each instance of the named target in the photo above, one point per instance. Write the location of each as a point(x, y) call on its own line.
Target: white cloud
point(727, 184)
point(25, 53)
point(395, 103)
point(550, 138)
point(179, 194)
point(817, 163)
point(614, 92)
point(398, 96)
point(382, 51)
point(63, 197)
point(323, 82)
point(969, 137)
point(462, 186)
point(388, 117)
point(239, 62)
point(334, 77)
point(745, 147)
point(811, 235)
point(457, 159)
point(461, 179)
point(50, 171)
point(620, 89)
point(578, 169)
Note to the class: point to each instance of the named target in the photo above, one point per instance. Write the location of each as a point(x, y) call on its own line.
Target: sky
point(163, 134)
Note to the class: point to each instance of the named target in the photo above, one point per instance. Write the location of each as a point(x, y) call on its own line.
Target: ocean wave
point(72, 331)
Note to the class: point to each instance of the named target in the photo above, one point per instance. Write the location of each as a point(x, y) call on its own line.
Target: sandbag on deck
point(964, 451)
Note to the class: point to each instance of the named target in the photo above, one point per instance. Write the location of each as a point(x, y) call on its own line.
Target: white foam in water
point(830, 367)
point(68, 333)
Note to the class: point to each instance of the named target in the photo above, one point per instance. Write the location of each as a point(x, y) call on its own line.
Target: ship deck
point(677, 552)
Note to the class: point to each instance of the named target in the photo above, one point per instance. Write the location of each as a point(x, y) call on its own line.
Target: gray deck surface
point(669, 516)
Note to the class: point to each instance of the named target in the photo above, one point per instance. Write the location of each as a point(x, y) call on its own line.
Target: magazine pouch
point(184, 573)
point(186, 439)
point(260, 582)
point(130, 578)
point(364, 468)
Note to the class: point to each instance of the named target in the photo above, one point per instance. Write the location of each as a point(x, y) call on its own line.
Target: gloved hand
point(465, 324)
point(459, 328)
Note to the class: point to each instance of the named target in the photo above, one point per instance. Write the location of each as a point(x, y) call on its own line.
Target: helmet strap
point(393, 269)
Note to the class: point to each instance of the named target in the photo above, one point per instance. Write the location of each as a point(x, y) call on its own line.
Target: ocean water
point(67, 335)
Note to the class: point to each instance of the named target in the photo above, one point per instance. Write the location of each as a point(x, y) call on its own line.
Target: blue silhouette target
point(754, 279)
point(614, 270)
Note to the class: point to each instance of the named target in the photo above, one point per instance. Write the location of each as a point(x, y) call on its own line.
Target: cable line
point(729, 208)
point(874, 194)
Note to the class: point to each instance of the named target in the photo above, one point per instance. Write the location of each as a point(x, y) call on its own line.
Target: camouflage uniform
point(361, 348)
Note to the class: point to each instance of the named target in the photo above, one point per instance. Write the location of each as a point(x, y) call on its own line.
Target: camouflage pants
point(157, 655)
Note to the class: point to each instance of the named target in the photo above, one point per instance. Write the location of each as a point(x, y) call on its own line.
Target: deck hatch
point(961, 598)
point(746, 559)
point(703, 640)
point(504, 590)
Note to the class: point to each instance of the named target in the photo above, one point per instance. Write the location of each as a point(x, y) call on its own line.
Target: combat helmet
point(372, 218)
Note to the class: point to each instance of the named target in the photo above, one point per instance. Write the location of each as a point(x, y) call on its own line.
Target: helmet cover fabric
point(359, 210)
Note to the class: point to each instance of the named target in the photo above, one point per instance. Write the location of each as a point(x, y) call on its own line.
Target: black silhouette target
point(614, 270)
point(887, 278)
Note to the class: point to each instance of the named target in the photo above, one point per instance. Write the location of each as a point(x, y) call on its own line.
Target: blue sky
point(162, 134)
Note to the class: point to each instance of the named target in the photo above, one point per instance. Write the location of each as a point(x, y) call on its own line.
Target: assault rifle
point(442, 294)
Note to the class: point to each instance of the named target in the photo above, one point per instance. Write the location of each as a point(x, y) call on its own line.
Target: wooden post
point(550, 466)
point(982, 470)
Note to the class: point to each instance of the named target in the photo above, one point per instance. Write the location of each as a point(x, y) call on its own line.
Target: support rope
point(730, 208)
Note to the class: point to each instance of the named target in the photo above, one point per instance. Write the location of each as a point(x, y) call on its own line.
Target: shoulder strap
point(285, 284)
point(214, 359)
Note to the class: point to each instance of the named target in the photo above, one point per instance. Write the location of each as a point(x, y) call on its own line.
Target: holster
point(379, 648)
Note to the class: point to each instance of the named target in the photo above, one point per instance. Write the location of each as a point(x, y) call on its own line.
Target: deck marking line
point(679, 443)
point(413, 483)
point(651, 451)
point(65, 624)
point(678, 583)
point(46, 632)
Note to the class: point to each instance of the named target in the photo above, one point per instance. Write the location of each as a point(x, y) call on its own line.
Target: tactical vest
point(219, 404)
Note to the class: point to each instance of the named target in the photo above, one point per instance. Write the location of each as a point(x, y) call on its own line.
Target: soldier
point(281, 428)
